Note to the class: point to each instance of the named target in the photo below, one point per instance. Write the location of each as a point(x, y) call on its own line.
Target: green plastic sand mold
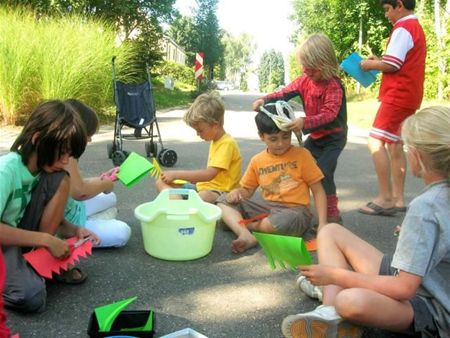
point(106, 315)
point(283, 250)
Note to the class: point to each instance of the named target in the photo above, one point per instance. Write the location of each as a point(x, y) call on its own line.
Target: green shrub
point(183, 75)
point(55, 59)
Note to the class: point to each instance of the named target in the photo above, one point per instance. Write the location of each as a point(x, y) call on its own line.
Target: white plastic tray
point(185, 333)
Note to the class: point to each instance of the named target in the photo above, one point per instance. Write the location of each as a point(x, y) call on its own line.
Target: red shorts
point(388, 121)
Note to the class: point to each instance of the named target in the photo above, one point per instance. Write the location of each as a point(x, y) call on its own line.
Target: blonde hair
point(428, 131)
point(208, 107)
point(317, 52)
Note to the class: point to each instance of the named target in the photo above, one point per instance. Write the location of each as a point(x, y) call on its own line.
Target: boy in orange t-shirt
point(285, 174)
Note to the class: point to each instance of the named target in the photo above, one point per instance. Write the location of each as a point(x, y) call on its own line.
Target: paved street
point(222, 294)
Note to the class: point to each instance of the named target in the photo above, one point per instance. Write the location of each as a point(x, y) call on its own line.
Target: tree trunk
point(420, 8)
point(441, 63)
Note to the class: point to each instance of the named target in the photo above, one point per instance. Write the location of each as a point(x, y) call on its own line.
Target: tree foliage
point(362, 26)
point(183, 32)
point(341, 20)
point(238, 53)
point(209, 34)
point(201, 32)
point(271, 71)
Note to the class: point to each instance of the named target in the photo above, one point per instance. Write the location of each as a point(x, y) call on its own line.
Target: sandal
point(375, 209)
point(71, 276)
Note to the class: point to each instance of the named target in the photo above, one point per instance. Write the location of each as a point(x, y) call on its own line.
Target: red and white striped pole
point(198, 67)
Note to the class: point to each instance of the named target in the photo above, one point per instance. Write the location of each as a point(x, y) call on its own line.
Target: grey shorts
point(24, 289)
point(288, 220)
point(423, 321)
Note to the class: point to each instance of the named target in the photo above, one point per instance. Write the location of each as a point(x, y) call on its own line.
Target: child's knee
point(123, 234)
point(331, 230)
point(265, 226)
point(112, 233)
point(29, 300)
point(351, 304)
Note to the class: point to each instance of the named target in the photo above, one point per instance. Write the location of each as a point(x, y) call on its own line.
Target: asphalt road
point(222, 294)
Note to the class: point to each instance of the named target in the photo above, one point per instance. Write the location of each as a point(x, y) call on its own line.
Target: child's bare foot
point(243, 242)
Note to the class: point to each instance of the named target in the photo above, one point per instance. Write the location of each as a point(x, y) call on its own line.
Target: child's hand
point(297, 124)
point(167, 177)
point(317, 274)
point(86, 233)
point(234, 196)
point(110, 174)
point(258, 103)
point(58, 248)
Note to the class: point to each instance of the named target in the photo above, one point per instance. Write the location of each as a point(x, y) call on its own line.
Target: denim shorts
point(423, 321)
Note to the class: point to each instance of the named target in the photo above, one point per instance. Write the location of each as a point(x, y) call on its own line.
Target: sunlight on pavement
point(229, 302)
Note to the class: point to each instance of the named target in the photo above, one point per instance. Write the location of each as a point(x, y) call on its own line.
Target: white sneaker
point(309, 289)
point(107, 214)
point(323, 322)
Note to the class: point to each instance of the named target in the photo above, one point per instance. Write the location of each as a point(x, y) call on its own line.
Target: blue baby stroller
point(135, 108)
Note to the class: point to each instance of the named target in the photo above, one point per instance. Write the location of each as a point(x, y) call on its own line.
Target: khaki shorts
point(288, 220)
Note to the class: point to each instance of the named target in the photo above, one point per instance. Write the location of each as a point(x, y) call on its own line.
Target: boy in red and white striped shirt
point(401, 92)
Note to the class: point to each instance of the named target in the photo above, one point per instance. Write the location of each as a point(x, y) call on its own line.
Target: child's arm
point(238, 194)
point(401, 287)
point(19, 237)
point(320, 202)
point(85, 188)
point(68, 229)
point(375, 63)
point(194, 176)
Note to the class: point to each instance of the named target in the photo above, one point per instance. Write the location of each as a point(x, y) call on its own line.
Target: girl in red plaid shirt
point(324, 103)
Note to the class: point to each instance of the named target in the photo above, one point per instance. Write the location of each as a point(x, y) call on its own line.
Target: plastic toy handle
point(246, 221)
point(191, 194)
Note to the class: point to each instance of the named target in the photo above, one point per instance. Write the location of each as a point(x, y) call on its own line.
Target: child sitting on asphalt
point(92, 204)
point(4, 330)
point(33, 193)
point(285, 174)
point(206, 117)
point(409, 292)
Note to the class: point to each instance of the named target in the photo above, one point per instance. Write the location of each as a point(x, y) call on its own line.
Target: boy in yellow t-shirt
point(285, 174)
point(206, 117)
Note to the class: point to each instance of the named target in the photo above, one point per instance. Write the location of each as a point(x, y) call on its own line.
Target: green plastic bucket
point(178, 229)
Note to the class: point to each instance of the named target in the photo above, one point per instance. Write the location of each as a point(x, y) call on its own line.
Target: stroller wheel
point(167, 157)
point(110, 149)
point(118, 157)
point(151, 149)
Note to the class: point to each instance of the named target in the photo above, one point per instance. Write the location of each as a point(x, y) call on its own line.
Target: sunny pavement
point(221, 294)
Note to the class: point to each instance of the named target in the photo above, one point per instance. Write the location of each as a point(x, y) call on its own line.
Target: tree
point(361, 26)
point(271, 71)
point(209, 35)
point(237, 58)
point(342, 21)
point(200, 33)
point(183, 32)
point(441, 24)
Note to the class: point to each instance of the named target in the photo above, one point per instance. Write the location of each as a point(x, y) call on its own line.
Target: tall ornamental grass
point(55, 58)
